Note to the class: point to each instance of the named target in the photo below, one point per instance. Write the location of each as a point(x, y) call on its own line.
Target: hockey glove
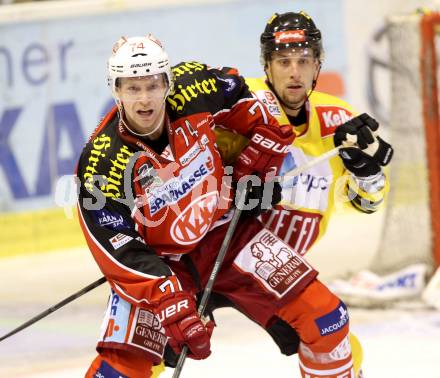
point(263, 157)
point(261, 198)
point(369, 152)
point(178, 315)
point(265, 152)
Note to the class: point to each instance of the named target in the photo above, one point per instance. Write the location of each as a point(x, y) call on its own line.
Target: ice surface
point(402, 342)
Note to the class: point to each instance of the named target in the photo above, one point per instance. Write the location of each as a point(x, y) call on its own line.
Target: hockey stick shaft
point(55, 307)
point(217, 265)
point(227, 239)
point(311, 163)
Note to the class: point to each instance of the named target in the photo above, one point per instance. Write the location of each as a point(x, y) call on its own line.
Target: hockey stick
point(217, 265)
point(227, 239)
point(208, 288)
point(302, 168)
point(55, 307)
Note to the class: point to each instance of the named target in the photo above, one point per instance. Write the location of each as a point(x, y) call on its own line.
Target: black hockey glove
point(261, 198)
point(370, 151)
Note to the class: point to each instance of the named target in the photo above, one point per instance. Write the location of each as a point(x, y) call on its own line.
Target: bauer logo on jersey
point(273, 263)
point(333, 321)
point(194, 222)
point(330, 117)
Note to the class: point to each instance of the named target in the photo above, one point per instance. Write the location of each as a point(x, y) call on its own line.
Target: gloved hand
point(178, 315)
point(265, 152)
point(263, 157)
point(261, 198)
point(368, 151)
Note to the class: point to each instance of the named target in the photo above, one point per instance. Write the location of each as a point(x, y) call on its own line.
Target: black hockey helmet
point(290, 30)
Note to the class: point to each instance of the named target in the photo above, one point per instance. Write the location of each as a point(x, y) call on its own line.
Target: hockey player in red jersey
point(154, 206)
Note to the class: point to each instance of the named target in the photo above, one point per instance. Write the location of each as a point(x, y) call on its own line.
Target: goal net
point(411, 231)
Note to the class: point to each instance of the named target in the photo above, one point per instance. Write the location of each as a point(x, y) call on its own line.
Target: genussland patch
point(273, 263)
point(147, 332)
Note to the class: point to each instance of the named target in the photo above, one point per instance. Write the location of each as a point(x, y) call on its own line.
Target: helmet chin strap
point(272, 88)
point(159, 123)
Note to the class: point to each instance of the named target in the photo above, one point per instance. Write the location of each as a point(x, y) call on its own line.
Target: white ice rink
point(398, 343)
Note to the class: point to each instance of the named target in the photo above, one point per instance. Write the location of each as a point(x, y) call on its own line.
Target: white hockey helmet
point(138, 56)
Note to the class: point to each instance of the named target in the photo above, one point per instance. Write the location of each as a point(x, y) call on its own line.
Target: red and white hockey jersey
point(137, 206)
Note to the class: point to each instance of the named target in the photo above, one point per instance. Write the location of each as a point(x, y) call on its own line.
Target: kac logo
point(194, 222)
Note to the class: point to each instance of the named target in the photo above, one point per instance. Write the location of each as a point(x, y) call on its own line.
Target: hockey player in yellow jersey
point(292, 55)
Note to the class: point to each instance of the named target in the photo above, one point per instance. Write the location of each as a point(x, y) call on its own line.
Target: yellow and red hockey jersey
point(309, 199)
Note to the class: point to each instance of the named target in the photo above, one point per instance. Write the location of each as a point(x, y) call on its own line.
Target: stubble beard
point(294, 101)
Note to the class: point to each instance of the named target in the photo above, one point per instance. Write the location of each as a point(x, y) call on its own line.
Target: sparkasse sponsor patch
point(178, 187)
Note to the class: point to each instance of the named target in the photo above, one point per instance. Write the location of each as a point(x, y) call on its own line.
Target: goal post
point(409, 248)
point(411, 232)
point(430, 54)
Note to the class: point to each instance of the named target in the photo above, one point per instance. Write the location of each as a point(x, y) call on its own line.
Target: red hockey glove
point(263, 156)
point(265, 152)
point(178, 315)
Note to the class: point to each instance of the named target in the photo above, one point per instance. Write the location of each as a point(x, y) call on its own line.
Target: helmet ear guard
point(290, 30)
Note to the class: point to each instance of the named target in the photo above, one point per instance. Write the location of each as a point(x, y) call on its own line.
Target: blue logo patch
point(229, 83)
point(288, 165)
point(107, 219)
point(407, 280)
point(333, 321)
point(107, 371)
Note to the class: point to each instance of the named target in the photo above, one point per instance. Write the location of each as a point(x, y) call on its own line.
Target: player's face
point(291, 72)
point(143, 99)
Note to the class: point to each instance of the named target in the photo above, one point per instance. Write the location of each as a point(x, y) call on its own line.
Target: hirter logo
point(194, 222)
point(330, 117)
